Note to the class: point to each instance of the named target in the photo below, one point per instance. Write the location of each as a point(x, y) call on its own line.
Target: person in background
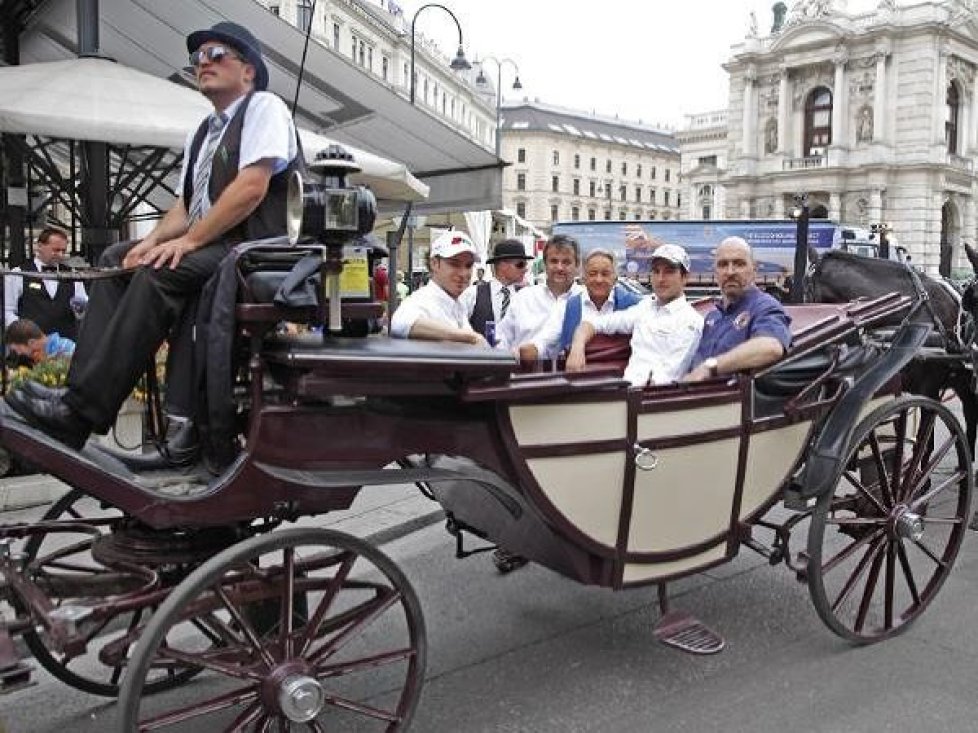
point(434, 312)
point(665, 329)
point(747, 329)
point(602, 294)
point(51, 304)
point(25, 338)
point(489, 300)
point(531, 307)
point(402, 288)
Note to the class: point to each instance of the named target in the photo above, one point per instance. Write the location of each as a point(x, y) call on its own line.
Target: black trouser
point(126, 321)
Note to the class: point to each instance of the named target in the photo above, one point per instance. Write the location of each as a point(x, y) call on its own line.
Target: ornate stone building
point(571, 165)
point(703, 158)
point(872, 115)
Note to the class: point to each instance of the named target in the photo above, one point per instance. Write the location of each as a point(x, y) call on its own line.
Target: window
point(303, 17)
point(622, 214)
point(370, 58)
point(577, 186)
point(638, 170)
point(706, 213)
point(651, 195)
point(336, 36)
point(575, 213)
point(521, 155)
point(591, 214)
point(607, 190)
point(624, 168)
point(953, 102)
point(384, 67)
point(353, 54)
point(818, 121)
point(363, 52)
point(667, 175)
point(594, 164)
point(555, 184)
point(577, 160)
point(406, 77)
point(652, 173)
point(444, 101)
point(591, 188)
point(708, 160)
point(622, 192)
point(556, 157)
point(425, 87)
point(679, 199)
point(521, 209)
point(651, 215)
point(521, 181)
point(665, 196)
point(638, 215)
point(274, 10)
point(607, 214)
point(638, 194)
point(607, 166)
point(553, 212)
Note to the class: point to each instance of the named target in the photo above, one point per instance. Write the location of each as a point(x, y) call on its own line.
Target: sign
point(355, 278)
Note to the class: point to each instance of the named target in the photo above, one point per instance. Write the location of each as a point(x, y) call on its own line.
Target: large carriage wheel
point(345, 648)
point(882, 543)
point(62, 564)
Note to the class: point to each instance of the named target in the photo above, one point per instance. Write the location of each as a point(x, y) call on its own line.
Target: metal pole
point(413, 21)
point(499, 101)
point(797, 294)
point(410, 262)
point(87, 19)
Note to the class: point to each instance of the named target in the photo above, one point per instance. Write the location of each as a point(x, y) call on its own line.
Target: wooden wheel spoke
point(922, 501)
point(216, 631)
point(930, 553)
point(315, 727)
point(857, 522)
point(380, 606)
point(900, 428)
point(868, 591)
point(249, 715)
point(358, 665)
point(953, 521)
point(857, 573)
point(362, 708)
point(888, 586)
point(235, 671)
point(866, 493)
point(326, 602)
point(288, 602)
point(908, 573)
point(884, 476)
point(920, 479)
point(207, 707)
point(925, 433)
point(245, 627)
point(848, 551)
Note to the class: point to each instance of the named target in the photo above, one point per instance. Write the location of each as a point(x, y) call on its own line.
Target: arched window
point(818, 121)
point(951, 118)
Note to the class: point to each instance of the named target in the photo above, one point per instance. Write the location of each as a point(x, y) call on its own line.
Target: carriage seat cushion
point(608, 351)
point(791, 377)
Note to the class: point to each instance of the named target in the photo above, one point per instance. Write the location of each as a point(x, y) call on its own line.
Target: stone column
point(840, 101)
point(940, 95)
point(750, 77)
point(835, 206)
point(875, 212)
point(971, 114)
point(880, 121)
point(784, 106)
point(745, 208)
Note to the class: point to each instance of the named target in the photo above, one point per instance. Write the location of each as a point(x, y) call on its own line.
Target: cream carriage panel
point(686, 499)
point(688, 421)
point(636, 573)
point(586, 489)
point(578, 422)
point(770, 456)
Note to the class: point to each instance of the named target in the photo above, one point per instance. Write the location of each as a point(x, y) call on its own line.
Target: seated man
point(602, 294)
point(665, 329)
point(434, 312)
point(26, 339)
point(748, 328)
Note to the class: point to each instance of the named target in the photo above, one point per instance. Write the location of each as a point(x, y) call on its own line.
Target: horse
point(840, 277)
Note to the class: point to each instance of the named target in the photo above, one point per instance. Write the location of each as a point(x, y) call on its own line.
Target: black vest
point(268, 219)
point(50, 314)
point(482, 311)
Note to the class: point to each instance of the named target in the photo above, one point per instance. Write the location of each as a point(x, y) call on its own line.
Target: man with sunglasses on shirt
point(234, 185)
point(488, 300)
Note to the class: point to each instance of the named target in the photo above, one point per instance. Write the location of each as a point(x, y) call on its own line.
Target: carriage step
point(688, 634)
point(16, 678)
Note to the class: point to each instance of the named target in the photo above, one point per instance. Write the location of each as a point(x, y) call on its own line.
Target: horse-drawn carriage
point(139, 581)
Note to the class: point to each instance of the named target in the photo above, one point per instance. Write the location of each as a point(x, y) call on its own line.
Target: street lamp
point(458, 63)
point(481, 79)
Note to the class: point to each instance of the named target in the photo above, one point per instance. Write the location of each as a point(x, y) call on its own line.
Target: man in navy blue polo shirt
point(747, 329)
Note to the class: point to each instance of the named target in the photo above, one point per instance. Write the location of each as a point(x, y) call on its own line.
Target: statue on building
point(864, 125)
point(779, 10)
point(771, 136)
point(810, 10)
point(752, 25)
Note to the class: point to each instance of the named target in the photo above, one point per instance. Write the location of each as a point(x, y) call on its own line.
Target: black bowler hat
point(509, 249)
point(243, 42)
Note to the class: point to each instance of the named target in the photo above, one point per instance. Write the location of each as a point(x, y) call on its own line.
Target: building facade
point(871, 115)
point(703, 164)
point(568, 165)
point(376, 36)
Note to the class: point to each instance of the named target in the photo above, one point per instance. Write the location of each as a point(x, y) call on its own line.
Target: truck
point(772, 240)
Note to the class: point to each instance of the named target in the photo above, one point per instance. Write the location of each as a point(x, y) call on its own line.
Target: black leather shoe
point(36, 389)
point(182, 443)
point(53, 417)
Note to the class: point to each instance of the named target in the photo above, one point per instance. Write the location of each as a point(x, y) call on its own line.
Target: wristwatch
point(712, 366)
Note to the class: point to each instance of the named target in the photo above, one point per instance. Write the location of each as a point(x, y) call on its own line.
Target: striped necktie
point(502, 312)
point(202, 177)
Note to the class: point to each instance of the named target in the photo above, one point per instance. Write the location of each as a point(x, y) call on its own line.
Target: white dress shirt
point(13, 288)
point(547, 339)
point(528, 313)
point(431, 302)
point(664, 338)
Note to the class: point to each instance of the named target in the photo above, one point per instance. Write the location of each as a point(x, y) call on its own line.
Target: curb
point(24, 492)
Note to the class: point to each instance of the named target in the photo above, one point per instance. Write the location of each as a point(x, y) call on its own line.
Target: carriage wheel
point(63, 565)
point(345, 648)
point(882, 543)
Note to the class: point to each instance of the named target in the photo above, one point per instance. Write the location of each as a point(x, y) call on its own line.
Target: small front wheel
point(882, 542)
point(298, 629)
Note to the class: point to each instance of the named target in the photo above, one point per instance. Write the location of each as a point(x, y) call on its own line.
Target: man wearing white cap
point(665, 330)
point(434, 312)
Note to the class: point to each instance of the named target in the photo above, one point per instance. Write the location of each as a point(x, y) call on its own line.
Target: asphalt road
point(532, 651)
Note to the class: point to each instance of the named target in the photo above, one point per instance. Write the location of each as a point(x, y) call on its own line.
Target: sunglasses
point(214, 53)
point(518, 264)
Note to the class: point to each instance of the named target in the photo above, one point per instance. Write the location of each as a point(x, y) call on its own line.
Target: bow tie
point(49, 268)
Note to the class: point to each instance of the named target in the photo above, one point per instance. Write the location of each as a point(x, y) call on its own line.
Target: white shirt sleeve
point(268, 132)
point(13, 287)
point(506, 328)
point(404, 317)
point(618, 321)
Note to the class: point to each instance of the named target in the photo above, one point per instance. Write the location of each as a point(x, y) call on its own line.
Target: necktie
point(502, 311)
point(203, 175)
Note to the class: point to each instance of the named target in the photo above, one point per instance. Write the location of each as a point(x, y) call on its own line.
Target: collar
point(586, 298)
point(230, 110)
point(673, 305)
point(748, 295)
point(439, 292)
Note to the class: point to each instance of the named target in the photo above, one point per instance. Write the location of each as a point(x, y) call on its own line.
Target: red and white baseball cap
point(451, 243)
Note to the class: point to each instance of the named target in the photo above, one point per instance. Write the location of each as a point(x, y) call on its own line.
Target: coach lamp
point(323, 208)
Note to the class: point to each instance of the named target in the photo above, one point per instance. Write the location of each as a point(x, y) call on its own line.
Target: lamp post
point(459, 63)
point(481, 79)
point(800, 215)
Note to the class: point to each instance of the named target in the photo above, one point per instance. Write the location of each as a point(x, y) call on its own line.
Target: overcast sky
point(653, 61)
